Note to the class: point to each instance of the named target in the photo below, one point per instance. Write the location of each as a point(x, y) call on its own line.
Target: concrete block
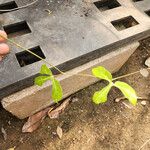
point(30, 100)
point(75, 33)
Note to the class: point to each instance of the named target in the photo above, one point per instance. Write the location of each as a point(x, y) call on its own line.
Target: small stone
point(4, 133)
point(143, 103)
point(59, 132)
point(147, 62)
point(75, 99)
point(144, 72)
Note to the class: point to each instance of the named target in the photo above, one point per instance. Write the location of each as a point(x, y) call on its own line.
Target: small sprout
point(101, 96)
point(46, 75)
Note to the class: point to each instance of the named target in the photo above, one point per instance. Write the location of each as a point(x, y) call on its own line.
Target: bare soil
point(111, 126)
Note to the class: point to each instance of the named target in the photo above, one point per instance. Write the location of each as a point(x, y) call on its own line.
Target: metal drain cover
point(74, 33)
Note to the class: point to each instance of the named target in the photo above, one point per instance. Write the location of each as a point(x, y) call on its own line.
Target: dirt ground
point(111, 126)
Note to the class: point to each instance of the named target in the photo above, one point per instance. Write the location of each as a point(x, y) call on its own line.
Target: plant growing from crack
point(99, 96)
point(98, 72)
point(46, 75)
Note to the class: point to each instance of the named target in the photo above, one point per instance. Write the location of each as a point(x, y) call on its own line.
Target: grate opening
point(104, 5)
point(8, 5)
point(17, 29)
point(25, 58)
point(147, 12)
point(124, 23)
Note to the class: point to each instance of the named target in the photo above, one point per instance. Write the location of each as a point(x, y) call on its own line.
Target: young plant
point(46, 75)
point(99, 72)
point(99, 96)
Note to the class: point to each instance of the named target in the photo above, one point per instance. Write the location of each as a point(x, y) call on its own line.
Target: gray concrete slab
point(76, 33)
point(31, 100)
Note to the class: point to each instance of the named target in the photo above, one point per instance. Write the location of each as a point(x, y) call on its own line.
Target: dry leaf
point(56, 112)
point(35, 120)
point(4, 133)
point(59, 132)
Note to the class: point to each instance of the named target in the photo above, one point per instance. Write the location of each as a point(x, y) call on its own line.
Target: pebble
point(143, 103)
point(147, 62)
point(144, 72)
point(75, 99)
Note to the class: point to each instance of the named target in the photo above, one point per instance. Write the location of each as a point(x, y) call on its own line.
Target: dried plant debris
point(59, 132)
point(53, 114)
point(34, 121)
point(4, 133)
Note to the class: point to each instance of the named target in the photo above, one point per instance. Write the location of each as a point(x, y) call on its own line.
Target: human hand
point(4, 48)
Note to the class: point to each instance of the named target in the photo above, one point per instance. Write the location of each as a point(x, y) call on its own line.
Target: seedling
point(99, 96)
point(98, 72)
point(46, 75)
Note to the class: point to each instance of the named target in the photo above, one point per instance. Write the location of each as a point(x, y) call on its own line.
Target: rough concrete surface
point(33, 99)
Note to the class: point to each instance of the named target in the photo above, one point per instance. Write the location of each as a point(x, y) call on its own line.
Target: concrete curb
point(31, 100)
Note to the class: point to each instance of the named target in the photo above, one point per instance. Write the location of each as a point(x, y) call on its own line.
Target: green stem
point(18, 45)
point(129, 74)
point(61, 72)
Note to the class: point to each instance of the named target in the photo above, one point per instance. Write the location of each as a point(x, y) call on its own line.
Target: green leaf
point(127, 91)
point(102, 73)
point(45, 70)
point(41, 80)
point(101, 96)
point(57, 92)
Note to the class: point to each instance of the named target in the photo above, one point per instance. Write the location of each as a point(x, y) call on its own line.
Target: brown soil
point(111, 126)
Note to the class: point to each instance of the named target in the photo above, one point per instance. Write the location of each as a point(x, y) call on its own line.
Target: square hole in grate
point(7, 6)
point(124, 23)
point(17, 29)
point(25, 58)
point(147, 12)
point(104, 5)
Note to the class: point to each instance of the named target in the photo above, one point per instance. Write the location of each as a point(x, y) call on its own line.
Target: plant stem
point(18, 45)
point(127, 75)
point(61, 72)
point(51, 65)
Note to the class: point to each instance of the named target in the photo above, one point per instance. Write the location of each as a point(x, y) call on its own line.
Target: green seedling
point(46, 75)
point(99, 96)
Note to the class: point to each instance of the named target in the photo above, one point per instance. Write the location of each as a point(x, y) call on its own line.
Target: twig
point(118, 99)
point(127, 75)
point(144, 144)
